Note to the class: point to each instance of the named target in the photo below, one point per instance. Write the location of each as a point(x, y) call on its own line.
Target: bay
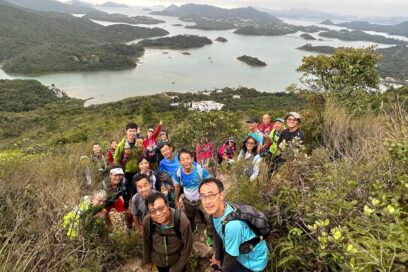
point(211, 67)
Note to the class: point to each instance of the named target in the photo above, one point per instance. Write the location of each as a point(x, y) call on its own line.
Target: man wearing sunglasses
point(167, 236)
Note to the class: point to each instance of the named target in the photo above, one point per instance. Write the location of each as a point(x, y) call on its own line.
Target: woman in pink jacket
point(204, 152)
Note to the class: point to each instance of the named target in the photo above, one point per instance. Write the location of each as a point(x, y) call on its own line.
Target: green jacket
point(274, 136)
point(127, 157)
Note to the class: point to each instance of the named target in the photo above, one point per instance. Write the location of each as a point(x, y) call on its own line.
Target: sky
point(349, 7)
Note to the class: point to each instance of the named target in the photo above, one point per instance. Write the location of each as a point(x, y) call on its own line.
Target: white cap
point(117, 171)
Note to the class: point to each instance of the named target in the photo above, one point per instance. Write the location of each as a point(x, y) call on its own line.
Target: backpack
point(177, 216)
point(256, 220)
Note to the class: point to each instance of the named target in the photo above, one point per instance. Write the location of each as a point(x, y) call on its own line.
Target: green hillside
point(27, 36)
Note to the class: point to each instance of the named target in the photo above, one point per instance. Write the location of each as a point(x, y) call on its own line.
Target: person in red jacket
point(150, 143)
point(111, 152)
point(266, 126)
point(204, 152)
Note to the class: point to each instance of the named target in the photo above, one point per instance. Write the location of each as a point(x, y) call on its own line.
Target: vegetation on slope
point(177, 42)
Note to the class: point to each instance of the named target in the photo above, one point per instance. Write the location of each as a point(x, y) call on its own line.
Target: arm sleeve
point(206, 175)
point(255, 173)
point(133, 205)
point(156, 131)
point(118, 154)
point(228, 263)
point(218, 248)
point(187, 237)
point(147, 241)
point(198, 152)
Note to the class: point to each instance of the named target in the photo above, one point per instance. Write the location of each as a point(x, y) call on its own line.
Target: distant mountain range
point(111, 4)
point(398, 29)
point(74, 7)
point(297, 13)
point(194, 11)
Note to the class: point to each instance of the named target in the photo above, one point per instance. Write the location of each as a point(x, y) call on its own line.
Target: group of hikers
point(163, 194)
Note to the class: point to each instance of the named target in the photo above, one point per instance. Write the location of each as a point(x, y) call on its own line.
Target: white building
point(236, 96)
point(206, 106)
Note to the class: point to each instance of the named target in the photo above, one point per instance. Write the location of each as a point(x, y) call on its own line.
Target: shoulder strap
point(177, 216)
point(227, 218)
point(200, 171)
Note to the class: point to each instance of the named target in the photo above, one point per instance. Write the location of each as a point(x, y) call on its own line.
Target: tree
point(346, 70)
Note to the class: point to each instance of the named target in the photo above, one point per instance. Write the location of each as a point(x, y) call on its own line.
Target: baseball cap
point(279, 119)
point(294, 114)
point(117, 171)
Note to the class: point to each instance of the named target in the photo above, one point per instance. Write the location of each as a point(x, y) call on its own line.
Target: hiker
point(137, 204)
point(266, 126)
point(150, 143)
point(167, 236)
point(163, 138)
point(167, 169)
point(189, 176)
point(278, 127)
point(292, 133)
point(110, 154)
point(291, 137)
point(237, 247)
point(250, 158)
point(99, 159)
point(226, 151)
point(88, 214)
point(258, 135)
point(129, 151)
point(204, 152)
point(117, 190)
point(155, 182)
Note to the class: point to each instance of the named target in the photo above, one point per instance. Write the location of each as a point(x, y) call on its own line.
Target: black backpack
point(177, 216)
point(256, 220)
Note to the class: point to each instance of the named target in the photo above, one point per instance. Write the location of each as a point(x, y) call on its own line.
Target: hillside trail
point(201, 252)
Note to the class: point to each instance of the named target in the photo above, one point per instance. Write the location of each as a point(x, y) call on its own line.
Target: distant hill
point(400, 29)
point(111, 4)
point(35, 42)
point(322, 49)
point(394, 62)
point(76, 7)
point(195, 12)
point(307, 36)
point(276, 29)
point(177, 42)
point(120, 18)
point(357, 35)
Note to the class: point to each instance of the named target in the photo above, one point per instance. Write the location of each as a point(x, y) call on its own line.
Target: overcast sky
point(353, 7)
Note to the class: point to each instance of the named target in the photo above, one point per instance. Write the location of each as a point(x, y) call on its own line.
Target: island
point(319, 48)
point(177, 25)
point(276, 29)
point(111, 4)
point(251, 61)
point(357, 35)
point(206, 24)
point(221, 39)
point(177, 42)
point(186, 53)
point(307, 36)
point(46, 42)
point(120, 18)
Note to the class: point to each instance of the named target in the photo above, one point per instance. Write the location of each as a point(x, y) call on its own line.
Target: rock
point(133, 265)
point(202, 250)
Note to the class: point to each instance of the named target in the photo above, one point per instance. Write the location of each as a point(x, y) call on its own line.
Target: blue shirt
point(257, 136)
point(169, 167)
point(191, 182)
point(237, 232)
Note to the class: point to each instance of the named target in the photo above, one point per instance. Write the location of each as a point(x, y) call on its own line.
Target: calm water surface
point(213, 66)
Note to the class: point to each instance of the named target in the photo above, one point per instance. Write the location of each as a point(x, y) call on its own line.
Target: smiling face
point(131, 134)
point(96, 149)
point(144, 166)
point(159, 212)
point(114, 144)
point(212, 199)
point(167, 152)
point(250, 144)
point(292, 122)
point(266, 119)
point(116, 179)
point(186, 160)
point(278, 125)
point(144, 188)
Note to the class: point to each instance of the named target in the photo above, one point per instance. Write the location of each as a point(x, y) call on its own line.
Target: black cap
point(252, 119)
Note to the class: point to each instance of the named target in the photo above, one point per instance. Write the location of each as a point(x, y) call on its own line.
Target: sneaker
point(209, 239)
